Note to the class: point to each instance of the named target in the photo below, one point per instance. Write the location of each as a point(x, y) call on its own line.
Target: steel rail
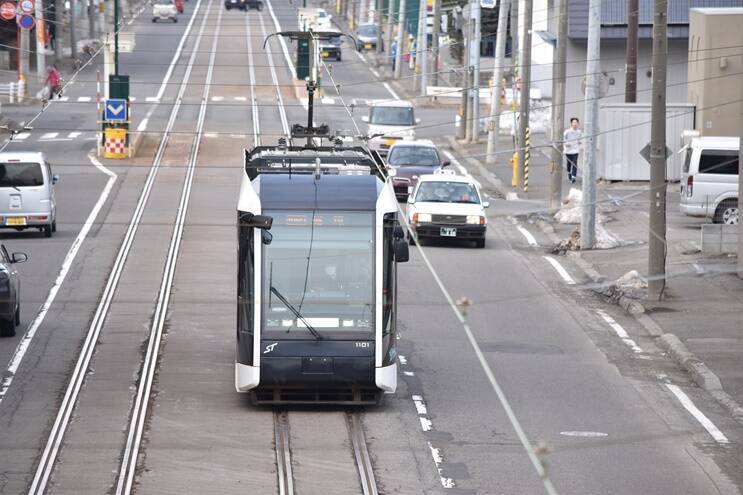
point(361, 454)
point(283, 452)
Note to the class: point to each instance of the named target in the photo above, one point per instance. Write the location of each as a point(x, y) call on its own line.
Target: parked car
point(390, 121)
point(10, 291)
point(447, 206)
point(410, 160)
point(314, 18)
point(709, 183)
point(366, 37)
point(27, 192)
point(163, 10)
point(331, 47)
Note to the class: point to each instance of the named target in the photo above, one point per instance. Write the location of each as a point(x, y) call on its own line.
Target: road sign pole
point(116, 37)
point(40, 53)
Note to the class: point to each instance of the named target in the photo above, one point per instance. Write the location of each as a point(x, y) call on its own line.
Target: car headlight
point(475, 219)
point(421, 217)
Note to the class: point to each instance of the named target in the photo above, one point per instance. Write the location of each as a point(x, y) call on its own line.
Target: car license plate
point(14, 221)
point(448, 232)
point(325, 54)
point(367, 46)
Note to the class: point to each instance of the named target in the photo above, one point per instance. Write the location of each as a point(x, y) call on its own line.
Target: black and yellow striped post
point(526, 159)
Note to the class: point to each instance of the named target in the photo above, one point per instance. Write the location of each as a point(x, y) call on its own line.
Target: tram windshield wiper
point(291, 308)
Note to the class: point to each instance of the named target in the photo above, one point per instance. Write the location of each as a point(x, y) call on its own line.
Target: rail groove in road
point(59, 428)
point(283, 453)
point(361, 454)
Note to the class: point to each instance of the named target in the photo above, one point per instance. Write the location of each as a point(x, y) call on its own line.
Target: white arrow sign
point(115, 111)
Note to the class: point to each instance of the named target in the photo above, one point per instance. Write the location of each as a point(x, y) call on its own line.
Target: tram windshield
point(322, 264)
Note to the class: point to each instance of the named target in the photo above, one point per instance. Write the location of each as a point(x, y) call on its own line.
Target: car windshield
point(368, 30)
point(322, 264)
point(392, 116)
point(20, 175)
point(419, 156)
point(447, 192)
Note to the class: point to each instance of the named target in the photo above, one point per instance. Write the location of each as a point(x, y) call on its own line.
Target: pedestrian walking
point(54, 80)
point(393, 53)
point(572, 139)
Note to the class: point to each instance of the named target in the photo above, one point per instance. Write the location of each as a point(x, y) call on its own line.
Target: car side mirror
point(18, 257)
point(486, 204)
point(55, 178)
point(410, 199)
point(445, 163)
point(365, 118)
point(402, 254)
point(257, 221)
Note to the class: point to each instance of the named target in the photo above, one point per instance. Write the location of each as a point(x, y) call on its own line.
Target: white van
point(709, 183)
point(27, 192)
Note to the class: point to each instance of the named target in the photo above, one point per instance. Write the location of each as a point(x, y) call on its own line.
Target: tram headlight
point(475, 219)
point(421, 217)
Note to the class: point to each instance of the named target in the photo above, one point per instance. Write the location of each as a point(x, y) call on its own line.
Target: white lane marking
point(512, 196)
point(438, 459)
point(408, 373)
point(49, 135)
point(420, 405)
point(403, 360)
point(69, 258)
point(59, 428)
point(360, 55)
point(217, 98)
point(698, 415)
point(529, 238)
point(276, 24)
point(64, 98)
point(21, 136)
point(584, 434)
point(460, 167)
point(699, 268)
point(373, 71)
point(74, 135)
point(560, 270)
point(144, 387)
point(253, 98)
point(132, 98)
point(426, 424)
point(143, 125)
point(241, 98)
point(152, 99)
point(56, 140)
point(388, 88)
point(328, 101)
point(210, 135)
point(620, 331)
point(279, 98)
point(84, 99)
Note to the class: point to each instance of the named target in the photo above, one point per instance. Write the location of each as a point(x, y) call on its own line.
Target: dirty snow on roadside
point(571, 213)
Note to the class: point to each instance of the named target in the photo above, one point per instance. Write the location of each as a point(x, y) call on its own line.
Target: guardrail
point(14, 90)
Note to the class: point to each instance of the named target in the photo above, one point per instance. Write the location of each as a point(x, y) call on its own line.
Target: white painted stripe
point(64, 98)
point(698, 415)
point(376, 74)
point(620, 331)
point(241, 98)
point(420, 405)
point(512, 196)
point(143, 125)
point(408, 373)
point(560, 270)
point(84, 99)
point(438, 459)
point(56, 140)
point(460, 167)
point(132, 98)
point(217, 98)
point(328, 101)
point(21, 136)
point(253, 99)
point(69, 258)
point(279, 98)
point(49, 135)
point(74, 135)
point(210, 134)
point(426, 424)
point(276, 24)
point(388, 88)
point(529, 238)
point(403, 360)
point(152, 99)
point(361, 56)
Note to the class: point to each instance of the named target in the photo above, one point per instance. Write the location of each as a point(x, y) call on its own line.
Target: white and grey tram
point(318, 243)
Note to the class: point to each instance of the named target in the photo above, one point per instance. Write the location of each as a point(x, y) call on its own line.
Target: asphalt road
point(601, 413)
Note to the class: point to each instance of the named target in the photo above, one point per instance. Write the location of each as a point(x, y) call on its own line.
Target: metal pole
point(462, 130)
point(391, 14)
point(40, 53)
point(400, 36)
point(525, 75)
point(590, 126)
point(558, 107)
point(475, 55)
point(73, 30)
point(116, 37)
point(91, 19)
point(657, 224)
point(498, 61)
point(419, 54)
point(630, 84)
point(378, 17)
point(423, 50)
point(740, 185)
point(435, 42)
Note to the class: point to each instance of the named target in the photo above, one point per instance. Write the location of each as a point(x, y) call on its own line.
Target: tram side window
point(388, 274)
point(245, 280)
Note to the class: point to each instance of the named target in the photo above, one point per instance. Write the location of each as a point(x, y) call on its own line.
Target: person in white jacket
point(571, 141)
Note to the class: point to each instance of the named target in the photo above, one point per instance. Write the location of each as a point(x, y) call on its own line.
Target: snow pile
point(605, 239)
point(539, 119)
point(631, 280)
point(570, 213)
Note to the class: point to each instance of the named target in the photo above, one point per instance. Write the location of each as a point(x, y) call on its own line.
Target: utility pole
point(525, 75)
point(91, 18)
point(58, 29)
point(740, 185)
point(116, 38)
point(354, 13)
point(475, 56)
point(463, 127)
point(498, 62)
point(378, 17)
point(657, 224)
point(73, 33)
point(630, 85)
point(419, 53)
point(435, 42)
point(400, 36)
point(391, 14)
point(40, 53)
point(558, 106)
point(423, 52)
point(590, 126)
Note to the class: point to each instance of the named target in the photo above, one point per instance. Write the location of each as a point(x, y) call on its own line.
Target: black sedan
point(10, 291)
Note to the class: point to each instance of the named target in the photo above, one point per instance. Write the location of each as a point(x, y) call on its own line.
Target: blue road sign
point(25, 21)
point(116, 109)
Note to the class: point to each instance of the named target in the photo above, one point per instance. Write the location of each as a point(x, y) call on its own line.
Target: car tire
point(47, 229)
point(727, 212)
point(411, 240)
point(480, 243)
point(338, 58)
point(175, 19)
point(260, 7)
point(154, 19)
point(7, 328)
point(54, 226)
point(18, 315)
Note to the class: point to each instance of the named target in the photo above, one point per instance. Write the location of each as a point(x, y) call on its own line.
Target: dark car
point(243, 4)
point(254, 4)
point(411, 159)
point(331, 48)
point(366, 37)
point(10, 290)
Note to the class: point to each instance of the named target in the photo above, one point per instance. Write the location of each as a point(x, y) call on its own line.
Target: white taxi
point(444, 205)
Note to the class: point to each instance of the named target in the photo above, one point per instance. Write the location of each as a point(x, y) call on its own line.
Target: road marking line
point(241, 98)
point(328, 101)
point(420, 405)
point(64, 98)
point(288, 59)
point(153, 99)
point(305, 102)
point(373, 71)
point(698, 415)
point(438, 459)
point(460, 167)
point(408, 373)
point(620, 331)
point(84, 99)
point(279, 98)
point(529, 238)
point(388, 88)
point(143, 125)
point(426, 424)
point(560, 270)
point(217, 98)
point(512, 196)
point(74, 135)
point(49, 135)
point(132, 98)
point(69, 258)
point(403, 360)
point(21, 136)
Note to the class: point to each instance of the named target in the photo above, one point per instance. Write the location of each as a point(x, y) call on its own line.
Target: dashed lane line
point(620, 331)
point(560, 270)
point(698, 415)
point(527, 235)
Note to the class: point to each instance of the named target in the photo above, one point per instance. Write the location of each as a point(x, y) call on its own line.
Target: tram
point(318, 245)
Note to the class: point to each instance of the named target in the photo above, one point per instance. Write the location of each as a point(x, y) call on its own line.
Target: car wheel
point(7, 328)
point(18, 315)
point(338, 58)
point(411, 240)
point(54, 226)
point(260, 7)
point(47, 230)
point(154, 19)
point(175, 19)
point(480, 243)
point(727, 213)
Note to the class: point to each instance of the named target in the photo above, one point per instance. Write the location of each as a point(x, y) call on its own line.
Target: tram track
point(53, 445)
